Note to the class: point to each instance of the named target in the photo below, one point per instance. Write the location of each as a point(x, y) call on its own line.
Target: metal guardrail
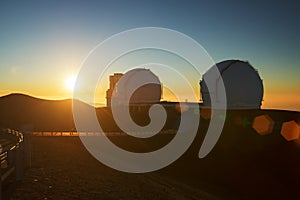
point(73, 133)
point(12, 160)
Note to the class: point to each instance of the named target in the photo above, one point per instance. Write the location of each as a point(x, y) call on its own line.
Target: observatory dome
point(242, 83)
point(138, 86)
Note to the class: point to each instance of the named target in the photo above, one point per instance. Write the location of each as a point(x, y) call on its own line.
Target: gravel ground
point(63, 169)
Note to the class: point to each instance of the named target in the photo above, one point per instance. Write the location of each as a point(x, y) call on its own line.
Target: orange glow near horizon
point(283, 101)
point(62, 88)
point(271, 101)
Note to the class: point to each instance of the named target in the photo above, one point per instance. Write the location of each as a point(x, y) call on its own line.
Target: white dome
point(243, 85)
point(138, 86)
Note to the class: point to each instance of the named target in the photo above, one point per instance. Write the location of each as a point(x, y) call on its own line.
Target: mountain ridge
point(26, 113)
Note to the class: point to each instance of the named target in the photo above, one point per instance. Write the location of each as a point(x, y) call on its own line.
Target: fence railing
point(14, 159)
point(73, 133)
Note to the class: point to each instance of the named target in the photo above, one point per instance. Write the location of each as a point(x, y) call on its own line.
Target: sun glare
point(70, 82)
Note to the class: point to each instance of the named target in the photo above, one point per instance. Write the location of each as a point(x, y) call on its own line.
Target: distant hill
point(19, 111)
point(23, 112)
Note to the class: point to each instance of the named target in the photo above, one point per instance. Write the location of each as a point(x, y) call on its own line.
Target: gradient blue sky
point(44, 42)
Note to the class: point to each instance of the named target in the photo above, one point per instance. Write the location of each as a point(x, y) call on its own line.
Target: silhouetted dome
point(243, 85)
point(148, 93)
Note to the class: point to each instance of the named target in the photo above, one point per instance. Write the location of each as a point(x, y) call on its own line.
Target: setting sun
point(70, 82)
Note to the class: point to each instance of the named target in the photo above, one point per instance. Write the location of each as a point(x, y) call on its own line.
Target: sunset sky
point(43, 43)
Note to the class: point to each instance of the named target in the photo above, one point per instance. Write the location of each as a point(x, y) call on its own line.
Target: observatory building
point(113, 79)
point(242, 83)
point(127, 87)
